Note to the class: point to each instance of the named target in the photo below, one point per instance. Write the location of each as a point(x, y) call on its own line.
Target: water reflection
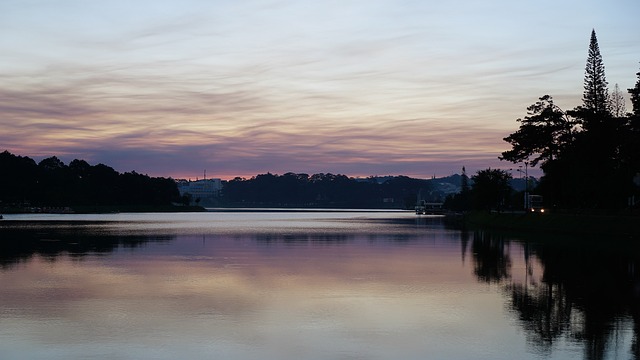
point(587, 291)
point(491, 258)
point(383, 283)
point(20, 242)
point(298, 239)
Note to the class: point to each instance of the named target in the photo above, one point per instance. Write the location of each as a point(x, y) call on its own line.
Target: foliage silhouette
point(51, 183)
point(596, 95)
point(543, 134)
point(323, 190)
point(589, 156)
point(491, 189)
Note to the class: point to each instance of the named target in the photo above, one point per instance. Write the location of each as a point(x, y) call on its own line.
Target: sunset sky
point(242, 87)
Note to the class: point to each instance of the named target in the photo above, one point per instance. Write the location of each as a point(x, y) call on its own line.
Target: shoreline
point(627, 226)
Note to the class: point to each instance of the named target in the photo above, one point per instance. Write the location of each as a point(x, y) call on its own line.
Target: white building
point(200, 189)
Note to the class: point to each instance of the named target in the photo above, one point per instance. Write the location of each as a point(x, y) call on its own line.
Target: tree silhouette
point(595, 97)
point(460, 201)
point(635, 97)
point(51, 183)
point(491, 188)
point(322, 190)
point(543, 134)
point(588, 154)
point(464, 181)
point(616, 103)
point(19, 178)
point(631, 149)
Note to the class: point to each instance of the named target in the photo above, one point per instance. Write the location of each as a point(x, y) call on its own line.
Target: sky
point(243, 87)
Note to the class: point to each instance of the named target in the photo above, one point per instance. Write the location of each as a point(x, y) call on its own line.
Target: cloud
point(355, 151)
point(250, 87)
point(159, 124)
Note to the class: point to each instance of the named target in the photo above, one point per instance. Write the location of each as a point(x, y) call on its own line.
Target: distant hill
point(437, 189)
point(448, 185)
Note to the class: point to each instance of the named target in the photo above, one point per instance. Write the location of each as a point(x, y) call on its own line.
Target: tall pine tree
point(596, 95)
point(596, 152)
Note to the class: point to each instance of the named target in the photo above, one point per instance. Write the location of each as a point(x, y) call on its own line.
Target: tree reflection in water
point(492, 261)
point(588, 291)
point(21, 243)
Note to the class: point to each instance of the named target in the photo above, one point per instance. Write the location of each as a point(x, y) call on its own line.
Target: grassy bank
point(621, 225)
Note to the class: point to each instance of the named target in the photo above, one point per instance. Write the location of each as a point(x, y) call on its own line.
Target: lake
point(309, 285)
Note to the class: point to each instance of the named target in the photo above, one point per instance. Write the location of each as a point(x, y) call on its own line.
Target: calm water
point(308, 285)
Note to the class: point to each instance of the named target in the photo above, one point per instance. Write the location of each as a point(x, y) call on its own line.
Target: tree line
point(324, 190)
point(488, 189)
point(52, 183)
point(589, 155)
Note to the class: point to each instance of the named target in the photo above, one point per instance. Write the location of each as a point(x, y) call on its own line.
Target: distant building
point(200, 189)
